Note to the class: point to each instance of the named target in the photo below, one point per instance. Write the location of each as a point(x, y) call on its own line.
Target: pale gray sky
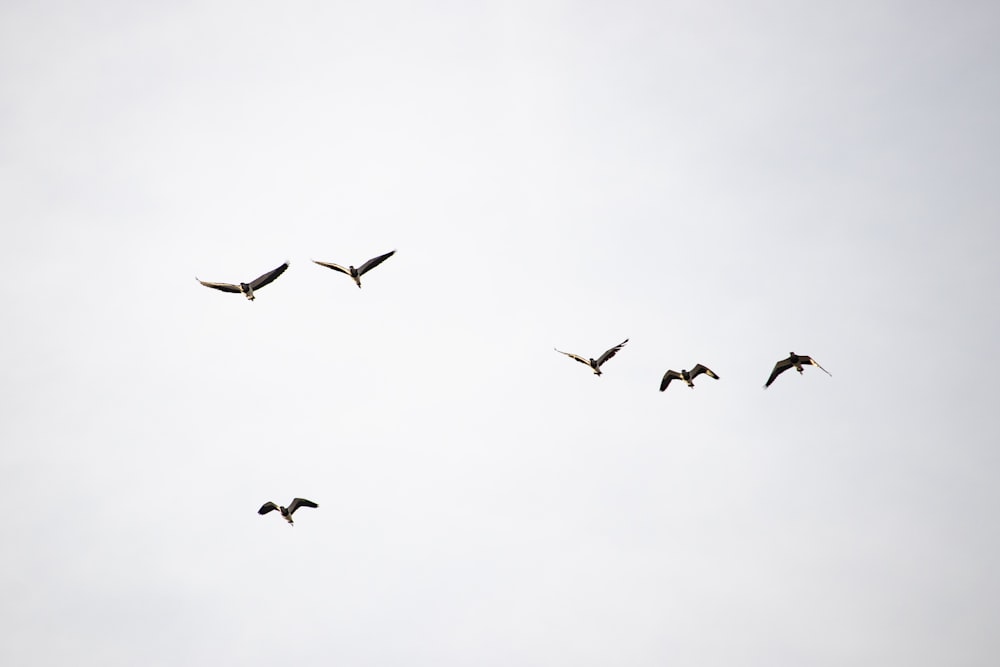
point(719, 182)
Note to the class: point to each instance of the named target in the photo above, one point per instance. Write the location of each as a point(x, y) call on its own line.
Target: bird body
point(686, 375)
point(795, 361)
point(247, 289)
point(286, 512)
point(595, 364)
point(356, 273)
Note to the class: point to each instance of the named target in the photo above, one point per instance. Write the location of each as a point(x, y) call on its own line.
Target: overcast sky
point(719, 182)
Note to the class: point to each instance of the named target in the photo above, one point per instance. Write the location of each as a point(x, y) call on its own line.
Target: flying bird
point(247, 288)
point(595, 364)
point(686, 375)
point(286, 511)
point(796, 360)
point(356, 273)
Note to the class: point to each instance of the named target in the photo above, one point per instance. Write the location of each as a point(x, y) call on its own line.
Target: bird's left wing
point(267, 507)
point(699, 369)
point(268, 277)
point(610, 353)
point(816, 364)
point(300, 502)
point(373, 262)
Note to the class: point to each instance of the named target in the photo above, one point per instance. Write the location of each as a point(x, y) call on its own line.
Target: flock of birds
point(247, 289)
point(796, 361)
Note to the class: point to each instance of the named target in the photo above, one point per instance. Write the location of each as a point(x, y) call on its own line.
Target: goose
point(595, 364)
point(356, 273)
point(796, 360)
point(686, 375)
point(286, 511)
point(247, 288)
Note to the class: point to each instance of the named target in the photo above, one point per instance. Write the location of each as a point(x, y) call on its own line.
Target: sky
point(717, 182)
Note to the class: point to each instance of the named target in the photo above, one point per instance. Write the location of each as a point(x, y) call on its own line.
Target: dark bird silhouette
point(247, 288)
point(356, 273)
point(286, 511)
point(595, 364)
point(796, 361)
point(686, 375)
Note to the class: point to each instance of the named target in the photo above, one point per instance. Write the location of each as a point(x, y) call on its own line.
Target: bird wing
point(331, 265)
point(573, 356)
point(699, 369)
point(225, 287)
point(268, 277)
point(373, 262)
point(779, 368)
point(815, 363)
point(300, 502)
point(667, 377)
point(267, 507)
point(610, 353)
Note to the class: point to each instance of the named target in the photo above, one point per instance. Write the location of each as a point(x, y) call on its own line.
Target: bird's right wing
point(373, 262)
point(610, 353)
point(573, 356)
point(331, 265)
point(268, 277)
point(300, 502)
point(267, 507)
point(667, 377)
point(779, 368)
point(225, 287)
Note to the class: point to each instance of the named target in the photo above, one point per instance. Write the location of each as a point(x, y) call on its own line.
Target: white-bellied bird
point(356, 273)
point(686, 375)
point(595, 364)
point(796, 361)
point(286, 511)
point(247, 288)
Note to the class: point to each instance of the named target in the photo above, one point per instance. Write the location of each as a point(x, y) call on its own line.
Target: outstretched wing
point(667, 377)
point(267, 507)
point(300, 502)
point(373, 262)
point(610, 353)
point(225, 287)
point(699, 369)
point(814, 363)
point(779, 368)
point(574, 356)
point(331, 265)
point(268, 277)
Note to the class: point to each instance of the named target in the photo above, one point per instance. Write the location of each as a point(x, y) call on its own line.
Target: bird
point(595, 364)
point(796, 360)
point(356, 273)
point(247, 288)
point(686, 375)
point(286, 511)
